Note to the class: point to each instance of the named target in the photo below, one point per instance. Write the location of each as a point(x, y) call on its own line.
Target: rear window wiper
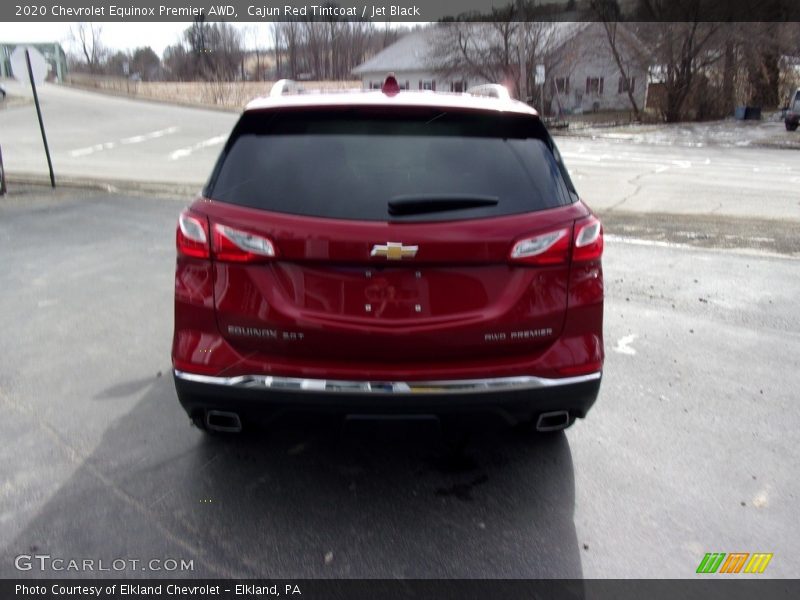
point(415, 204)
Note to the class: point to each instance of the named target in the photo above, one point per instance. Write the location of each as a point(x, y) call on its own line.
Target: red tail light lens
point(236, 245)
point(549, 248)
point(588, 240)
point(191, 237)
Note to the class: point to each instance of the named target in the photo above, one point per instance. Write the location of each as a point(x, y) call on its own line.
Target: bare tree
point(609, 14)
point(762, 62)
point(178, 63)
point(706, 69)
point(326, 49)
point(145, 63)
point(682, 51)
point(210, 52)
point(538, 40)
point(227, 52)
point(790, 64)
point(485, 50)
point(287, 44)
point(88, 38)
point(751, 55)
point(276, 47)
point(683, 45)
point(252, 33)
point(314, 36)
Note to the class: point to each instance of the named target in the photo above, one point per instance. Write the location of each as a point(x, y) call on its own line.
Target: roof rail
point(490, 90)
point(285, 86)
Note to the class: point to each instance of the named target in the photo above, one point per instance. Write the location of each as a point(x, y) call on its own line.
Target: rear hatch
point(402, 236)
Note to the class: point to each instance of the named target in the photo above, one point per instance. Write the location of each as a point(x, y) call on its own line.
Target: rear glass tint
point(350, 163)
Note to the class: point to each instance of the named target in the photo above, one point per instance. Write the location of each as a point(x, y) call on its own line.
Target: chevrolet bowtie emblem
point(394, 250)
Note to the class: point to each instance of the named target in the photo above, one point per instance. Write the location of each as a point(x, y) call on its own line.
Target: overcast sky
point(127, 36)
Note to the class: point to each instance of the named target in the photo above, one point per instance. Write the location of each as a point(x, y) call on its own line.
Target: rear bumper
point(514, 399)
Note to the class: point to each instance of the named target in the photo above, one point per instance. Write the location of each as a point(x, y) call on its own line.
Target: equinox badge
point(394, 250)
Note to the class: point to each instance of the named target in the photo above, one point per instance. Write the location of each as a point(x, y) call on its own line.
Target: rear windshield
point(352, 163)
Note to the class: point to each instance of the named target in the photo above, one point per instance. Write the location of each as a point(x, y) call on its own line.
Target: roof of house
point(414, 52)
point(411, 52)
point(626, 34)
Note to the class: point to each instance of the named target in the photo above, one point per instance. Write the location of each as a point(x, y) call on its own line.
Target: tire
point(790, 126)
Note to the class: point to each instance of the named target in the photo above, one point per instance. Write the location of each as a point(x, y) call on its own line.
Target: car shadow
point(309, 498)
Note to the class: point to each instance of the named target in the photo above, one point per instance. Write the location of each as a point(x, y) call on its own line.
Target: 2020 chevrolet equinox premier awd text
point(388, 253)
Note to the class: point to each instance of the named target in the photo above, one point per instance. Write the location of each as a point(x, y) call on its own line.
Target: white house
point(581, 72)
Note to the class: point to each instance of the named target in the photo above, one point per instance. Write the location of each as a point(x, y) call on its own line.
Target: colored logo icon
point(736, 562)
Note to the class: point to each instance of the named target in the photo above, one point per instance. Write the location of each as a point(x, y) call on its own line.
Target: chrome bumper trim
point(455, 386)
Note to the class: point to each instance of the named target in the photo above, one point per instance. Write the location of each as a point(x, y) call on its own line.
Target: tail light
point(191, 237)
point(553, 247)
point(586, 274)
point(550, 248)
point(588, 240)
point(235, 245)
point(228, 244)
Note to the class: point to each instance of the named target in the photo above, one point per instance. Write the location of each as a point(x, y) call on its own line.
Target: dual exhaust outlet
point(553, 421)
point(229, 422)
point(223, 421)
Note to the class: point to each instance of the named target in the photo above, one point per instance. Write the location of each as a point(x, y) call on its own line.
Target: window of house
point(427, 84)
point(594, 85)
point(458, 86)
point(561, 85)
point(625, 84)
point(374, 85)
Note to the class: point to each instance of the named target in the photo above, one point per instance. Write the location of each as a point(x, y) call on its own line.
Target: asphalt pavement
point(98, 137)
point(691, 447)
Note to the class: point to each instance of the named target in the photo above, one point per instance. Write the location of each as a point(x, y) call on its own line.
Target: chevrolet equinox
point(388, 253)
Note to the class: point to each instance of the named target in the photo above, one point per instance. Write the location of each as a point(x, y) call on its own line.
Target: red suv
point(388, 253)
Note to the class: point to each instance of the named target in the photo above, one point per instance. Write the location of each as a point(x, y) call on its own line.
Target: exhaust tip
point(553, 421)
point(224, 421)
